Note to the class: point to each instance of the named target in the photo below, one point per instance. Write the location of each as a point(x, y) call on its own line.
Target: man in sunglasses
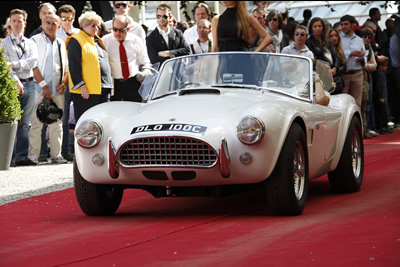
point(274, 28)
point(122, 8)
point(165, 42)
point(126, 54)
point(67, 16)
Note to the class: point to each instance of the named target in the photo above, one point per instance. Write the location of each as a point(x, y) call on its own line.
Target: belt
point(24, 81)
point(123, 80)
point(352, 71)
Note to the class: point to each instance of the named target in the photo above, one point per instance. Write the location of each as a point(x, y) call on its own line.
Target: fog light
point(246, 158)
point(98, 159)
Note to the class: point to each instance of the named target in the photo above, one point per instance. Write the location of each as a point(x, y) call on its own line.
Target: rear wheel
point(348, 175)
point(96, 199)
point(287, 187)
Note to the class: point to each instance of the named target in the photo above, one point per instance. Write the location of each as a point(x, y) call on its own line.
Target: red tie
point(124, 61)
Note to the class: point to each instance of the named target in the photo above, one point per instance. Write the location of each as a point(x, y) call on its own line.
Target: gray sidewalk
point(23, 182)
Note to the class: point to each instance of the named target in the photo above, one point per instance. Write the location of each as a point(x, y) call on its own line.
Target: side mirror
point(145, 88)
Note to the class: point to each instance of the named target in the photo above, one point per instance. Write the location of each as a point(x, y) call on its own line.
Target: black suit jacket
point(176, 45)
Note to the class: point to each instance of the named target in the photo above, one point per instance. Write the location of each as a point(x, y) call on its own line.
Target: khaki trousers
point(354, 85)
point(35, 133)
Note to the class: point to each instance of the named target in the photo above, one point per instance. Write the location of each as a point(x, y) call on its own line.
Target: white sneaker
point(59, 160)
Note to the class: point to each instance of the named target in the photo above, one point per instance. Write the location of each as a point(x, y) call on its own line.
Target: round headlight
point(250, 130)
point(88, 134)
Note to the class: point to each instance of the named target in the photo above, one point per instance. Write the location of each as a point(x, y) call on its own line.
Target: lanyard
point(22, 48)
point(209, 45)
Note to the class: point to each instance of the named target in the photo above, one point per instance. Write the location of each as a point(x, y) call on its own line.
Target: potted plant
point(10, 112)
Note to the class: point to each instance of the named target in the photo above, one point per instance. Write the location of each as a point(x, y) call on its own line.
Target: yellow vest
point(90, 64)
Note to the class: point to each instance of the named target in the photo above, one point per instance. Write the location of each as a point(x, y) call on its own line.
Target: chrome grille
point(167, 151)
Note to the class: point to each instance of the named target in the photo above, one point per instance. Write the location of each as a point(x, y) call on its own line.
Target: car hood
point(199, 107)
point(218, 113)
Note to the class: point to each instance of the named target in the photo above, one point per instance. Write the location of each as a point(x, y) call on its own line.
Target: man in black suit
point(165, 42)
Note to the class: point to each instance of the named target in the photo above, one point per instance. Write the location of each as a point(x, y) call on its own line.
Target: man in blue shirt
point(21, 58)
point(354, 51)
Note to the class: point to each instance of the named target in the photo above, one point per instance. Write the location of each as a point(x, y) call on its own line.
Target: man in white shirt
point(51, 78)
point(203, 43)
point(125, 69)
point(200, 11)
point(122, 8)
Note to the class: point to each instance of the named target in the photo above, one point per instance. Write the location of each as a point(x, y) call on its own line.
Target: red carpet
point(360, 229)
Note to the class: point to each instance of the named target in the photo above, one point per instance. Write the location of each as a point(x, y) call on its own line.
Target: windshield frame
point(311, 73)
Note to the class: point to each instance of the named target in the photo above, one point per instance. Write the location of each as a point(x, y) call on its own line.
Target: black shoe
point(12, 164)
point(68, 157)
point(385, 131)
point(43, 159)
point(26, 162)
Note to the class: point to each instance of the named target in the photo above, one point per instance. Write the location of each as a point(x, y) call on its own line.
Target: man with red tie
point(127, 55)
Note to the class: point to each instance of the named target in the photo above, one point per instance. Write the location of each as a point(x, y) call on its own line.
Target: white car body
point(210, 115)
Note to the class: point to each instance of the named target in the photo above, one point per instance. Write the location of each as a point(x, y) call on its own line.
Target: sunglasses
point(121, 5)
point(367, 37)
point(65, 18)
point(95, 26)
point(164, 17)
point(273, 19)
point(119, 30)
point(301, 34)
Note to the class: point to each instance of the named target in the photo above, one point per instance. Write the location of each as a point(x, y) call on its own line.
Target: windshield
point(237, 70)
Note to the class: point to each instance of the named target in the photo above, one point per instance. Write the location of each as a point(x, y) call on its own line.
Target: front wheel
point(287, 187)
point(96, 199)
point(348, 175)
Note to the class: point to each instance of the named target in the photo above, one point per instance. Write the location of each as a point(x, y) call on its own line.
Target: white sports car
point(218, 123)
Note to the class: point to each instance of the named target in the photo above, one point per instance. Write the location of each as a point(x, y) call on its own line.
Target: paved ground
point(22, 182)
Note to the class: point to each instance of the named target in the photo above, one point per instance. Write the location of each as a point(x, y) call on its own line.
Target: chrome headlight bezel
point(250, 130)
point(89, 134)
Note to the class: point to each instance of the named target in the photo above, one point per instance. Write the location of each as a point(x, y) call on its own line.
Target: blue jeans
point(382, 112)
point(66, 148)
point(27, 101)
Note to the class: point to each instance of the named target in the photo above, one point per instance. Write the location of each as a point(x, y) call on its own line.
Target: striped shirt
point(23, 54)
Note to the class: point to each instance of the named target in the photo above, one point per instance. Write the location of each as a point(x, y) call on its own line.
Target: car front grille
point(167, 151)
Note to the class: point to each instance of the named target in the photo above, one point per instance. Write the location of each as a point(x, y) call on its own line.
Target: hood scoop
point(199, 91)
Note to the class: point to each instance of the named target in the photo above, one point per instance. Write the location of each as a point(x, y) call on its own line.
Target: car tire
point(287, 187)
point(348, 175)
point(96, 199)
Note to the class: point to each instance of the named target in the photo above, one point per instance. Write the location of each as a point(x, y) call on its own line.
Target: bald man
point(51, 78)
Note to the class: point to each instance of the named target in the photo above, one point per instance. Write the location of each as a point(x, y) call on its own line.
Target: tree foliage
point(10, 108)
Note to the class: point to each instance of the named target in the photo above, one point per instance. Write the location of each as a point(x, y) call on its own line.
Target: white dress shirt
point(191, 35)
point(136, 53)
point(164, 34)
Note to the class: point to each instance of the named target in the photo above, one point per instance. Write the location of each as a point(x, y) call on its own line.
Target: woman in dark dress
point(231, 29)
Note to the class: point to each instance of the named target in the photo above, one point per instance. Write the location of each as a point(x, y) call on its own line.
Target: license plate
point(170, 127)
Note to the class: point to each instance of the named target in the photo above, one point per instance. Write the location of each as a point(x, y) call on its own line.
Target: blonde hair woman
point(90, 79)
point(231, 29)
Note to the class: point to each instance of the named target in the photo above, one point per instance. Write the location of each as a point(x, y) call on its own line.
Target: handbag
point(338, 80)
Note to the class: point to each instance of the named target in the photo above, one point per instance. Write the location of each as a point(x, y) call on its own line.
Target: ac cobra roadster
point(217, 123)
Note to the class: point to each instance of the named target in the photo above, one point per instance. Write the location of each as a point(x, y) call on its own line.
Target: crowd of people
point(108, 61)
